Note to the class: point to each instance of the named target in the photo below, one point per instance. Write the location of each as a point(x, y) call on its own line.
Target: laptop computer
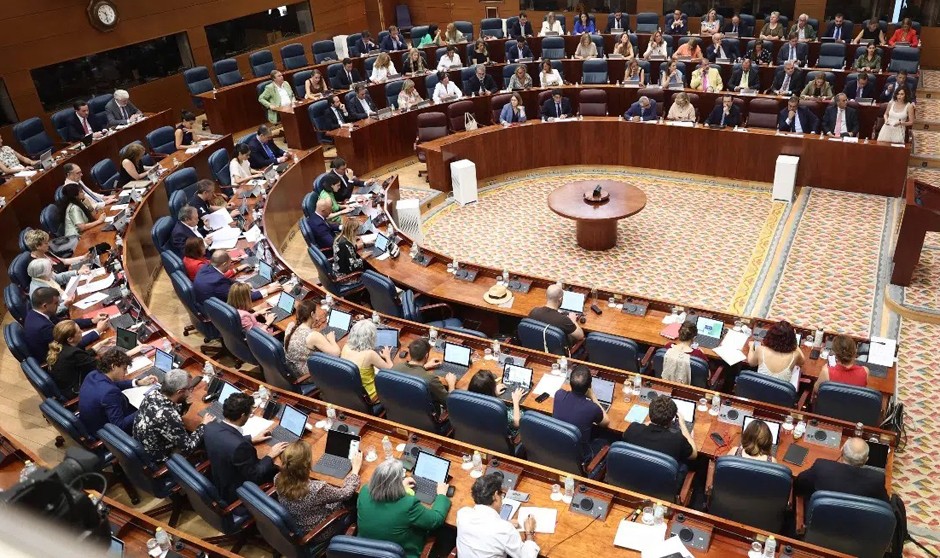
point(162, 363)
point(366, 227)
point(86, 141)
point(878, 455)
point(338, 322)
point(429, 471)
point(603, 391)
point(686, 412)
point(386, 337)
point(709, 332)
point(116, 548)
point(572, 302)
point(335, 460)
point(290, 428)
point(45, 160)
point(264, 276)
point(284, 308)
point(516, 377)
point(774, 427)
point(381, 244)
point(127, 320)
point(456, 360)
point(126, 339)
point(216, 406)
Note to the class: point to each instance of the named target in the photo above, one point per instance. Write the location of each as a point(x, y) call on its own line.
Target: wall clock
point(103, 15)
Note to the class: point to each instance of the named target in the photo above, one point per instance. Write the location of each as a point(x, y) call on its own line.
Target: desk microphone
point(597, 191)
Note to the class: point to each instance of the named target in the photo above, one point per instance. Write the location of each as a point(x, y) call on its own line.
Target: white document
point(138, 364)
point(225, 238)
point(682, 124)
point(97, 272)
point(382, 257)
point(71, 286)
point(95, 286)
point(26, 173)
point(253, 234)
point(549, 384)
point(882, 351)
point(135, 395)
point(193, 150)
point(89, 301)
point(117, 207)
point(729, 354)
point(217, 219)
point(256, 425)
point(850, 139)
point(670, 546)
point(544, 518)
point(795, 378)
point(638, 536)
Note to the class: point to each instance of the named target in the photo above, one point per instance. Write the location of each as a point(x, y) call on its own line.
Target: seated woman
point(586, 48)
point(484, 382)
point(513, 111)
point(758, 54)
point(845, 370)
point(311, 501)
point(676, 365)
point(408, 96)
point(78, 218)
point(68, 363)
point(682, 111)
point(672, 76)
point(301, 339)
point(184, 131)
point(551, 26)
point(905, 34)
point(346, 259)
point(624, 47)
point(433, 37)
point(756, 443)
point(872, 32)
point(132, 165)
point(239, 167)
point(710, 24)
point(634, 73)
point(414, 63)
point(479, 54)
point(382, 69)
point(387, 509)
point(778, 353)
point(584, 24)
point(869, 60)
point(689, 49)
point(331, 186)
point(360, 350)
point(656, 47)
point(195, 256)
point(445, 88)
point(520, 78)
point(11, 161)
point(819, 88)
point(239, 298)
point(549, 77)
point(452, 35)
point(37, 242)
point(773, 29)
point(41, 275)
point(315, 86)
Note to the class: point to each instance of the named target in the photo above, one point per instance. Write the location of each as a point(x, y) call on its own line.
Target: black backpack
point(900, 530)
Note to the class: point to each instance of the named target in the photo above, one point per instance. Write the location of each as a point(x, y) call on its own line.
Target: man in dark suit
point(211, 280)
point(41, 318)
point(393, 41)
point(187, 226)
point(80, 123)
point(789, 81)
point(120, 110)
point(734, 26)
point(556, 107)
point(336, 115)
point(836, 29)
point(324, 232)
point(339, 168)
point(361, 105)
point(643, 109)
point(725, 114)
point(232, 455)
point(744, 77)
point(365, 44)
point(847, 475)
point(348, 76)
point(519, 50)
point(717, 50)
point(100, 400)
point(840, 119)
point(794, 51)
point(861, 88)
point(521, 28)
point(892, 84)
point(480, 83)
point(678, 25)
point(798, 119)
point(617, 20)
point(264, 152)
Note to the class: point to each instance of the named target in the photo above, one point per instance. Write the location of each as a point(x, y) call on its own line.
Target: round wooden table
point(597, 222)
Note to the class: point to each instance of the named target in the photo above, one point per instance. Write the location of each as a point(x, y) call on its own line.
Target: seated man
point(100, 400)
point(893, 83)
point(212, 281)
point(803, 30)
point(717, 51)
point(556, 107)
point(550, 314)
point(643, 109)
point(734, 27)
point(232, 455)
point(41, 319)
point(520, 50)
point(797, 119)
point(725, 114)
point(845, 475)
point(80, 123)
point(656, 433)
point(617, 21)
point(419, 365)
point(187, 226)
point(264, 152)
point(480, 83)
point(482, 533)
point(744, 77)
point(840, 119)
point(350, 182)
point(361, 105)
point(159, 424)
point(520, 28)
point(794, 51)
point(336, 115)
point(203, 201)
point(861, 88)
point(678, 25)
point(348, 76)
point(706, 78)
point(324, 232)
point(579, 407)
point(394, 40)
point(121, 111)
point(789, 81)
point(836, 29)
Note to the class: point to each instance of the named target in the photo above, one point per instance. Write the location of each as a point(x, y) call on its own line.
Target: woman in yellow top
point(360, 350)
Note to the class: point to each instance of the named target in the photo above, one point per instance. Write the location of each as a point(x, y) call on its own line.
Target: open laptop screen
point(709, 327)
point(163, 361)
point(285, 302)
point(293, 420)
point(603, 389)
point(457, 354)
point(339, 319)
point(337, 443)
point(572, 301)
point(431, 467)
point(518, 375)
point(686, 409)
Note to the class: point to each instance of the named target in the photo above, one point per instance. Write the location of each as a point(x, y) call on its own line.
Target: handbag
point(469, 122)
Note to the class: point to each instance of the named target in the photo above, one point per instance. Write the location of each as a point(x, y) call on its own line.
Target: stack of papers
point(225, 238)
point(639, 536)
point(138, 364)
point(881, 351)
point(217, 219)
point(730, 349)
point(253, 234)
point(135, 395)
point(193, 150)
point(670, 547)
point(549, 384)
point(26, 173)
point(89, 301)
point(545, 518)
point(256, 425)
point(95, 286)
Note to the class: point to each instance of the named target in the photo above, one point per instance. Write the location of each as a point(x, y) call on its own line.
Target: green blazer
point(271, 98)
point(809, 32)
point(406, 521)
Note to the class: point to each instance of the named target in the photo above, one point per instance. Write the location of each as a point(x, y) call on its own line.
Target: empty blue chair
point(141, 470)
point(762, 387)
point(340, 383)
point(184, 291)
point(407, 400)
point(66, 423)
point(43, 383)
point(598, 41)
point(402, 18)
point(480, 420)
point(341, 286)
point(849, 403)
point(351, 47)
point(647, 22)
point(386, 300)
point(850, 524)
point(60, 122)
point(553, 48)
point(831, 55)
point(50, 220)
point(261, 62)
point(226, 320)
point(226, 71)
point(323, 51)
point(162, 140)
point(752, 492)
point(32, 137)
point(171, 262)
point(298, 80)
point(269, 352)
point(430, 81)
point(344, 546)
point(180, 180)
point(219, 166)
point(701, 375)
point(491, 27)
point(557, 444)
point(316, 112)
point(306, 233)
point(540, 336)
point(309, 204)
point(17, 271)
point(418, 32)
point(905, 58)
point(293, 56)
point(178, 199)
point(644, 470)
point(161, 231)
point(594, 71)
point(198, 82)
point(15, 338)
point(16, 302)
point(613, 351)
point(96, 112)
point(105, 175)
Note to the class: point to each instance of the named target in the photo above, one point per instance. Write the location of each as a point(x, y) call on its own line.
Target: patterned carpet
point(926, 144)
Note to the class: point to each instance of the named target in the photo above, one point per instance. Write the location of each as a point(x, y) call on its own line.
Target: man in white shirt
point(482, 533)
point(93, 200)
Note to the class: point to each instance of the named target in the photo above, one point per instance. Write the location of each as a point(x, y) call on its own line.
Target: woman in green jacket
point(389, 511)
point(330, 187)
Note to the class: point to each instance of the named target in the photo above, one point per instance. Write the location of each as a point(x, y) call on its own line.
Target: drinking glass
point(703, 404)
point(467, 460)
point(556, 492)
point(487, 354)
point(371, 454)
point(647, 515)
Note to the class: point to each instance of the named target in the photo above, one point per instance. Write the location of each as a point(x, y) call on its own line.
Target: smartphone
point(506, 512)
point(353, 448)
point(541, 397)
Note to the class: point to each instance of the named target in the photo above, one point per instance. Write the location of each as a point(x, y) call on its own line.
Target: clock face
point(107, 14)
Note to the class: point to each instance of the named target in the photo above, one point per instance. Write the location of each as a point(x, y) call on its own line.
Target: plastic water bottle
point(569, 490)
point(506, 276)
point(770, 547)
point(659, 511)
point(375, 318)
point(163, 539)
point(637, 382)
point(330, 416)
point(28, 469)
point(168, 346)
point(387, 447)
point(563, 365)
point(716, 405)
point(208, 372)
point(496, 350)
point(859, 430)
point(477, 469)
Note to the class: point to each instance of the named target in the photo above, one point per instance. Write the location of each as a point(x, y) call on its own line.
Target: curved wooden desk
point(596, 222)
